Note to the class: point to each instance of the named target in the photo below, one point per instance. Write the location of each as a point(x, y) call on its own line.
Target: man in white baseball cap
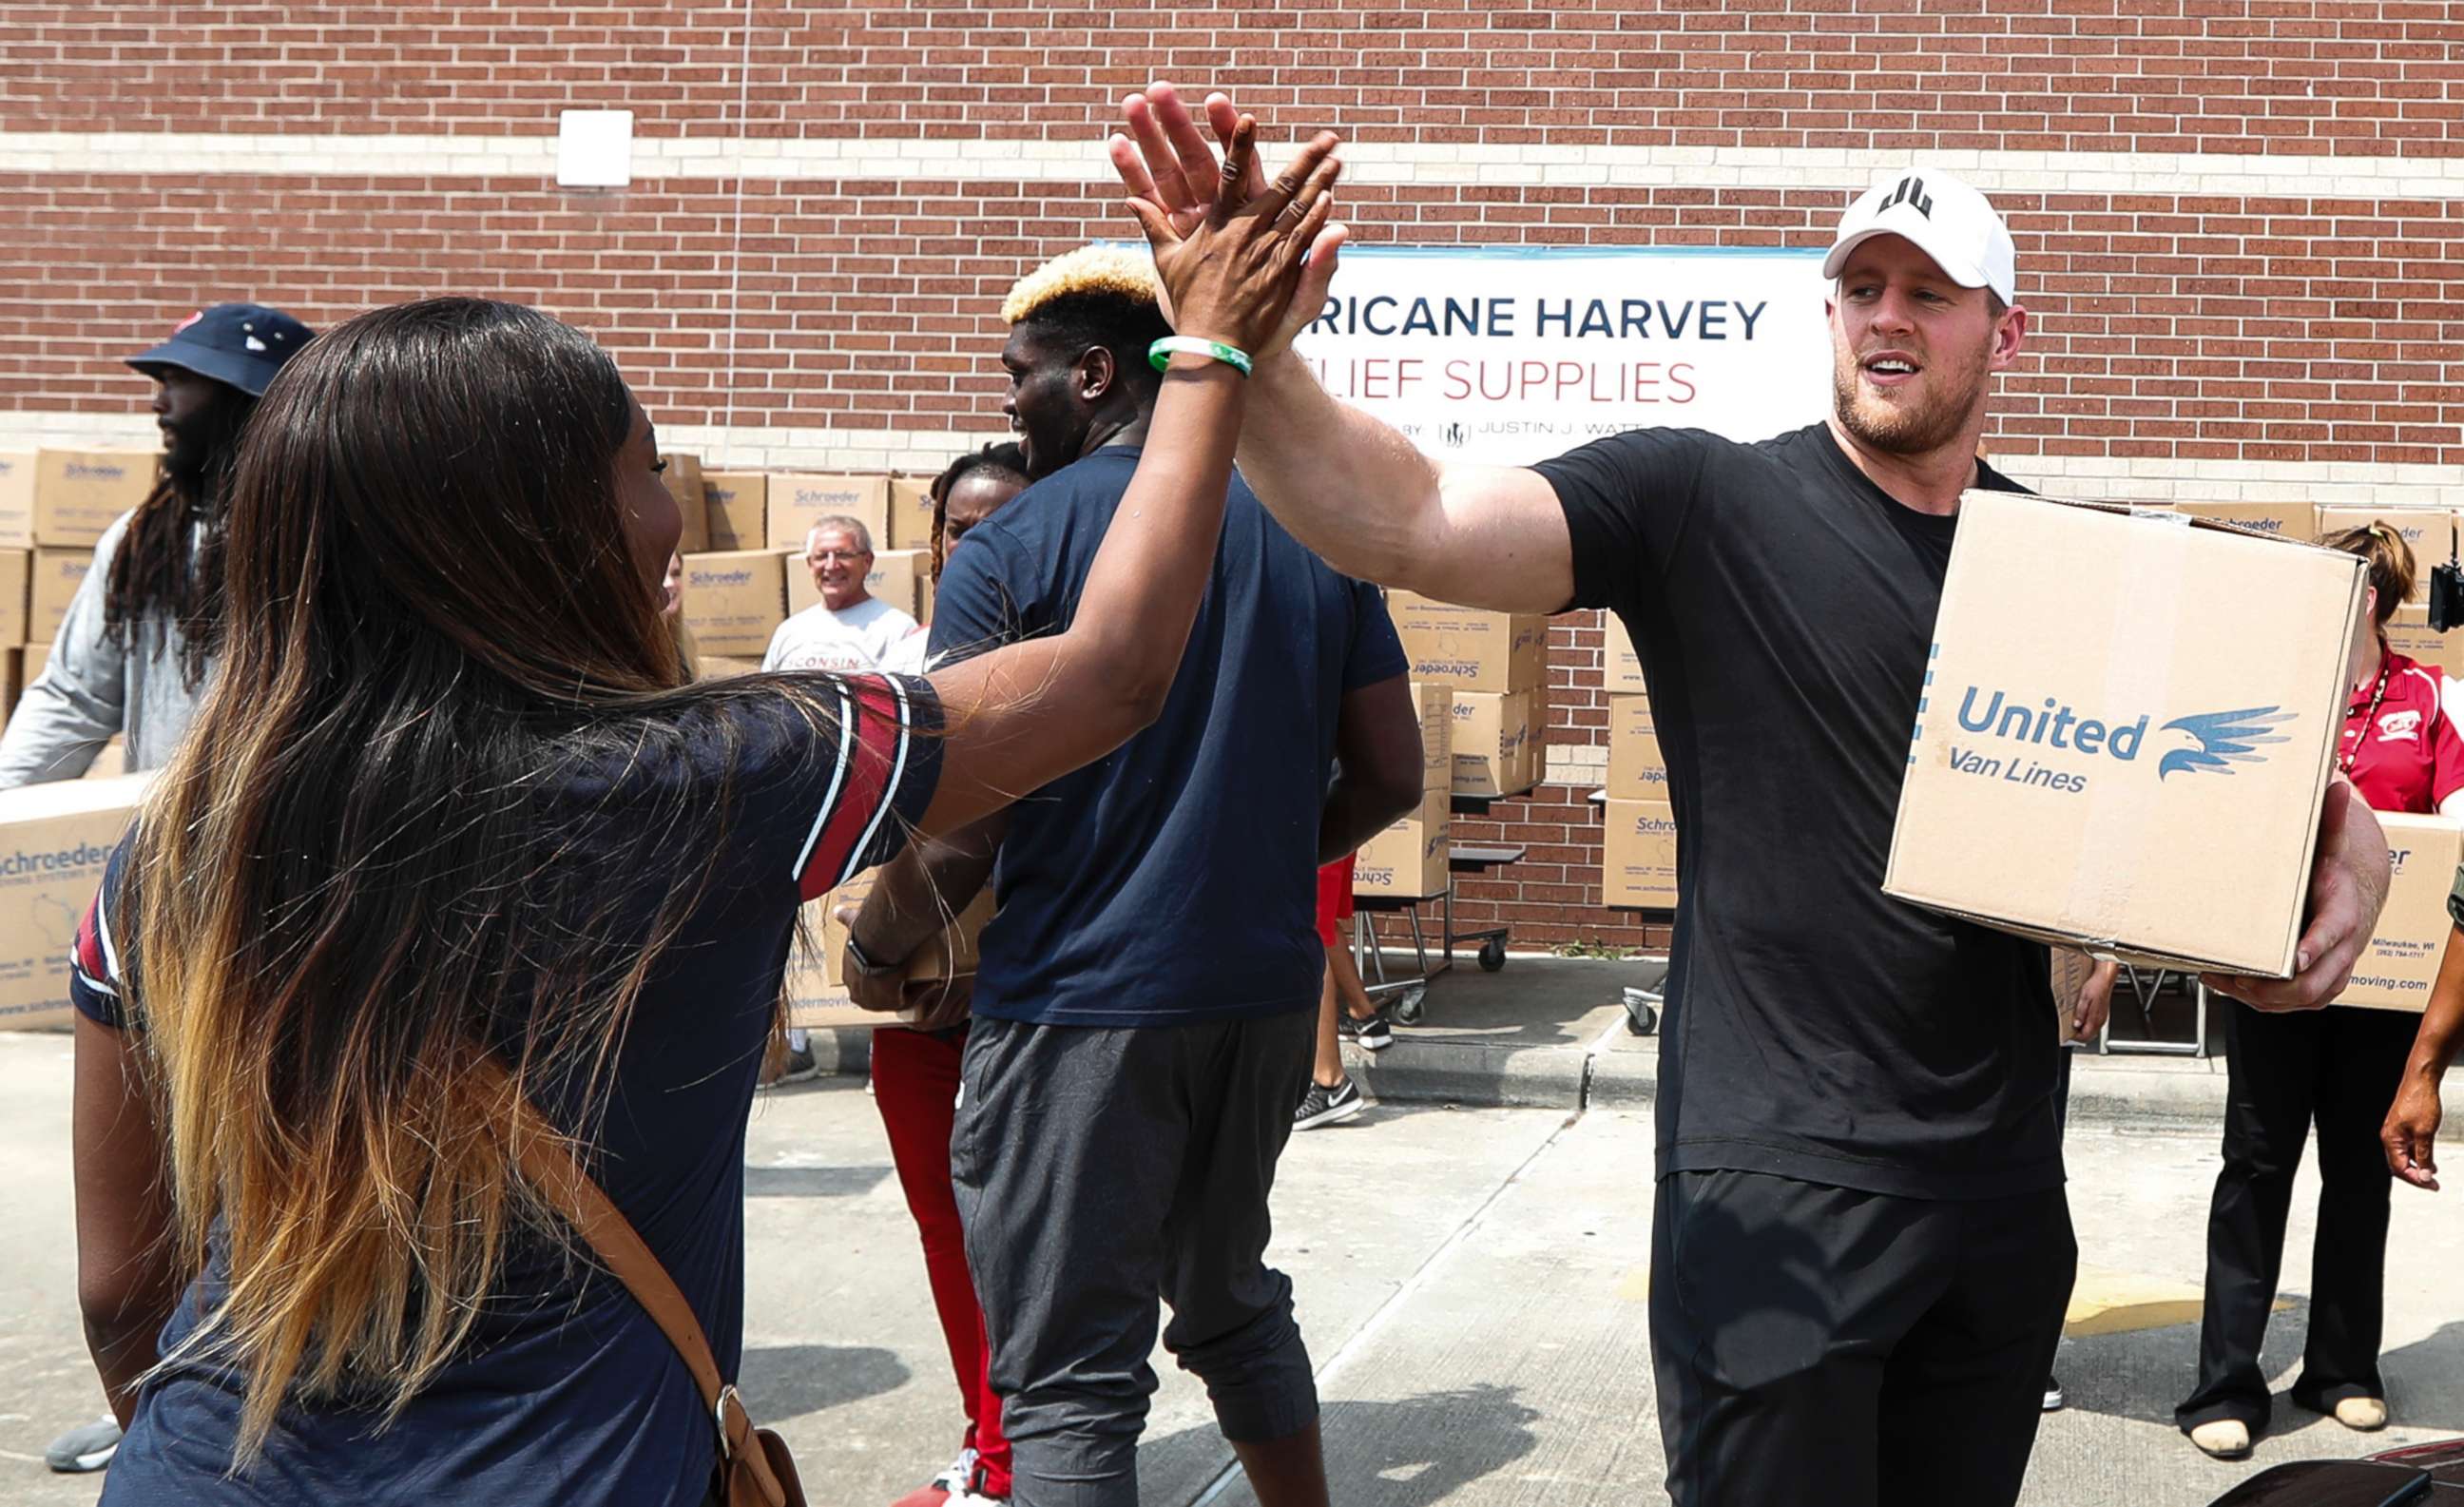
point(1860, 1246)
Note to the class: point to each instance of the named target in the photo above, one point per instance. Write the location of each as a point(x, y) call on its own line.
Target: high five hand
point(1182, 197)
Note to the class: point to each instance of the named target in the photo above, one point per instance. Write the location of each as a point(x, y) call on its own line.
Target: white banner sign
point(1513, 354)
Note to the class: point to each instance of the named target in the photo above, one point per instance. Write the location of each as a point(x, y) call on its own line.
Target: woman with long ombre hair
point(454, 864)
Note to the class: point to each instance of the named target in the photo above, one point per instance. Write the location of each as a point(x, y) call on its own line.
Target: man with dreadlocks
point(1147, 993)
point(133, 652)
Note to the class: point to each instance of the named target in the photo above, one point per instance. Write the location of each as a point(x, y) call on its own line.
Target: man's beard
point(1899, 428)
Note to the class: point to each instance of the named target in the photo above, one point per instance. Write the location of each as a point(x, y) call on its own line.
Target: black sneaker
point(2054, 1399)
point(1374, 1033)
point(1325, 1106)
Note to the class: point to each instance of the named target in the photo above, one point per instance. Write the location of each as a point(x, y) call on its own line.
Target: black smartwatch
point(860, 962)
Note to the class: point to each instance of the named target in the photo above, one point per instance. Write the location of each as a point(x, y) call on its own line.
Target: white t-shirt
point(863, 638)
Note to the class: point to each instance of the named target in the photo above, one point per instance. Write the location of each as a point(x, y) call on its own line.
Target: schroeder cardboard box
point(30, 664)
point(16, 596)
point(2298, 521)
point(56, 574)
point(735, 509)
point(79, 492)
point(2411, 939)
point(798, 501)
point(2408, 633)
point(1408, 858)
point(897, 577)
point(2423, 531)
point(54, 839)
point(1639, 854)
point(817, 995)
point(2106, 730)
point(684, 484)
point(1636, 770)
point(1435, 706)
point(17, 500)
point(910, 513)
point(1469, 648)
point(1620, 667)
point(735, 600)
point(1498, 740)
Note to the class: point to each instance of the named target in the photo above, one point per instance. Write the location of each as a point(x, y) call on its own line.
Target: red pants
point(915, 1084)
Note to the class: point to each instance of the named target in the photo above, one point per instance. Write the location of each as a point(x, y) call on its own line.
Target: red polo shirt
point(2399, 748)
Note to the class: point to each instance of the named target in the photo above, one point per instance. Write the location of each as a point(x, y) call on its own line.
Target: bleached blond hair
point(1114, 270)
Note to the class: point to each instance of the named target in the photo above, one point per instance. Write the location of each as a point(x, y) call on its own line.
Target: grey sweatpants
point(1096, 1170)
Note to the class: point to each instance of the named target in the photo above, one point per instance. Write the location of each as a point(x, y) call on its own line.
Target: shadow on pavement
point(1414, 1451)
point(845, 1181)
point(780, 1381)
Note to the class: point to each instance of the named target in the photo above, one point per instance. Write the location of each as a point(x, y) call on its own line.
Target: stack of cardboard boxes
point(744, 543)
point(1638, 824)
point(1408, 860)
point(1495, 667)
point(55, 505)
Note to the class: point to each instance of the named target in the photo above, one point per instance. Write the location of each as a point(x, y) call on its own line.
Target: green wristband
point(1160, 353)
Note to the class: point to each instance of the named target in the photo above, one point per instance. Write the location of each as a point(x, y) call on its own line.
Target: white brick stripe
point(904, 161)
point(834, 448)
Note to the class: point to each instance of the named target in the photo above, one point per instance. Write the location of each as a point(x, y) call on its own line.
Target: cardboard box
point(17, 499)
point(910, 511)
point(798, 501)
point(56, 574)
point(2424, 530)
point(12, 681)
point(1435, 706)
point(1639, 854)
point(1636, 770)
point(899, 577)
point(735, 510)
point(684, 482)
point(2411, 939)
point(2408, 633)
point(2298, 521)
point(1469, 648)
point(1498, 740)
point(1408, 858)
point(79, 492)
point(16, 596)
point(720, 667)
point(2060, 781)
point(53, 840)
point(30, 663)
point(817, 994)
point(1621, 666)
point(735, 600)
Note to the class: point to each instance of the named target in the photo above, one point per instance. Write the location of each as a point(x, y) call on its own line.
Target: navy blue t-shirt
point(1175, 879)
point(568, 1392)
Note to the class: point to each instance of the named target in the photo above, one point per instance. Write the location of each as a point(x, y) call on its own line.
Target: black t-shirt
point(1817, 1029)
point(567, 1392)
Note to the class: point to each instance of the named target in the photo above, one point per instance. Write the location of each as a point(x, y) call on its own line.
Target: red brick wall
point(2176, 327)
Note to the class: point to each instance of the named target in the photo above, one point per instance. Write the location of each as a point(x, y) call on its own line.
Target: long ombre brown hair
point(359, 945)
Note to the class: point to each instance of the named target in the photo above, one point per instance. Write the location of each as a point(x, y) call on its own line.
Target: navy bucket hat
point(238, 345)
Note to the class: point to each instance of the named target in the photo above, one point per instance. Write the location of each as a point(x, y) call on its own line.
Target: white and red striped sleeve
point(882, 778)
point(95, 964)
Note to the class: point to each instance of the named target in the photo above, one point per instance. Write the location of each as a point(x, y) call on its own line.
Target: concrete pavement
point(1472, 1283)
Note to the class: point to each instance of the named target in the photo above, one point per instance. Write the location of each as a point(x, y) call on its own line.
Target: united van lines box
point(798, 501)
point(17, 499)
point(735, 600)
point(1498, 740)
point(2423, 531)
point(1639, 854)
point(897, 577)
point(2106, 730)
point(1469, 648)
point(2411, 939)
point(1435, 706)
point(735, 509)
point(1409, 859)
point(54, 839)
point(2298, 521)
point(79, 492)
point(16, 597)
point(57, 575)
point(1620, 667)
point(2408, 633)
point(1637, 771)
point(817, 994)
point(684, 484)
point(910, 511)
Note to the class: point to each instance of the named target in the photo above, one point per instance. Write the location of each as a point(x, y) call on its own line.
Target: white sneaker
point(2363, 1414)
point(954, 1477)
point(2226, 1439)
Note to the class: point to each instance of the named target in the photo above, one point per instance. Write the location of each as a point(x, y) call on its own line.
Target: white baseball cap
point(1946, 219)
